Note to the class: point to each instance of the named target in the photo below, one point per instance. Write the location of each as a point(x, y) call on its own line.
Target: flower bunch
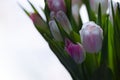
point(89, 51)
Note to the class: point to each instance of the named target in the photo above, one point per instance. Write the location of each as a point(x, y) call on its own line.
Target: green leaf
point(65, 59)
point(104, 51)
point(75, 36)
point(99, 19)
point(47, 11)
point(70, 16)
point(117, 40)
point(68, 4)
point(32, 6)
point(27, 13)
point(91, 14)
point(80, 23)
point(63, 32)
point(103, 73)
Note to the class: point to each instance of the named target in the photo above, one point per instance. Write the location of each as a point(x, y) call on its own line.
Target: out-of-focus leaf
point(91, 14)
point(103, 73)
point(104, 51)
point(70, 16)
point(116, 43)
point(68, 4)
point(75, 36)
point(27, 13)
point(65, 59)
point(32, 6)
point(47, 11)
point(99, 19)
point(80, 23)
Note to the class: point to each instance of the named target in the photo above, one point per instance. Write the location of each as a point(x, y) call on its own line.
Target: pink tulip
point(56, 5)
point(38, 21)
point(76, 51)
point(36, 18)
point(91, 37)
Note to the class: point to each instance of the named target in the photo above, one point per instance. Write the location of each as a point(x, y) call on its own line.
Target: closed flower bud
point(63, 20)
point(95, 4)
point(37, 19)
point(39, 22)
point(56, 5)
point(115, 5)
point(76, 4)
point(55, 31)
point(91, 37)
point(76, 51)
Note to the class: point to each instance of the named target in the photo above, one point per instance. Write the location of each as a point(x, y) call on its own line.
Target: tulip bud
point(55, 31)
point(39, 22)
point(115, 5)
point(36, 18)
point(52, 15)
point(63, 20)
point(56, 5)
point(91, 37)
point(76, 4)
point(95, 4)
point(76, 51)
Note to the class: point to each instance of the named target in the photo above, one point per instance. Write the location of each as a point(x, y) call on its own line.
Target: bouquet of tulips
point(90, 50)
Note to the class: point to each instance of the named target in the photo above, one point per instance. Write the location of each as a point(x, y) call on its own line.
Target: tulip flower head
point(95, 4)
point(115, 5)
point(76, 51)
point(64, 21)
point(91, 37)
point(56, 5)
point(38, 21)
point(35, 17)
point(55, 31)
point(76, 4)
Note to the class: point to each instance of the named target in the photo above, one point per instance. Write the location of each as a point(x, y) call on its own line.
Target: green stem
point(96, 59)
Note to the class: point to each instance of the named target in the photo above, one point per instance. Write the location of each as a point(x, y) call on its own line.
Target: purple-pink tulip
point(76, 51)
point(38, 21)
point(56, 5)
point(35, 17)
point(91, 37)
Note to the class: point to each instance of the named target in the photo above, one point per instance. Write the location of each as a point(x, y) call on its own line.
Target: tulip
point(39, 22)
point(76, 4)
point(91, 37)
point(115, 4)
point(63, 20)
point(56, 5)
point(55, 31)
point(76, 51)
point(52, 15)
point(95, 4)
point(37, 19)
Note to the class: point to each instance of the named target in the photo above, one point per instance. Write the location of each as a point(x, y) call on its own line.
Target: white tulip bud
point(95, 4)
point(55, 31)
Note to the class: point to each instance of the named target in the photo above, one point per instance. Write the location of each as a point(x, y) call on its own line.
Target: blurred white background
point(24, 54)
